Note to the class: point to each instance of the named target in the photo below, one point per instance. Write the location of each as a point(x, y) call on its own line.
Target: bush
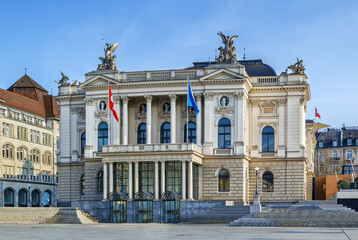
point(342, 184)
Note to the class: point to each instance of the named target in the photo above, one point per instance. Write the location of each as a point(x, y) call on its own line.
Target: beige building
point(29, 121)
point(249, 117)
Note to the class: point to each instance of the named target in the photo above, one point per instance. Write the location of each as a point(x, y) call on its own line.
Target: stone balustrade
point(154, 148)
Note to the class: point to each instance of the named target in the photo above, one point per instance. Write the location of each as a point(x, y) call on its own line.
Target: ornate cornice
point(173, 97)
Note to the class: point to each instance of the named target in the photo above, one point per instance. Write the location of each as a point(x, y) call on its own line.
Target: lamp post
point(257, 169)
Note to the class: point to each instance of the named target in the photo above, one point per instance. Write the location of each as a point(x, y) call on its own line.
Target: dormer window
point(335, 142)
point(357, 141)
point(349, 142)
point(320, 144)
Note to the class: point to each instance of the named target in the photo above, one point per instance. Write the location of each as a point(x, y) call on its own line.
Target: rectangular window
point(334, 143)
point(349, 154)
point(320, 144)
point(335, 154)
point(349, 142)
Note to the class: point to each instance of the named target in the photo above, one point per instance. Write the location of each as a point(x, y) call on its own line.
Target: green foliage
point(343, 184)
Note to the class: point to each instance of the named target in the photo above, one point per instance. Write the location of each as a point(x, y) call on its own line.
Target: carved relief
point(268, 108)
point(225, 104)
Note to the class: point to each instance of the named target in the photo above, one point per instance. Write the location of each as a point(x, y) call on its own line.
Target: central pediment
point(99, 80)
point(222, 74)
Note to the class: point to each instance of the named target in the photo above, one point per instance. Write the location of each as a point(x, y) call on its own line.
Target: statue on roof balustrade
point(108, 61)
point(228, 53)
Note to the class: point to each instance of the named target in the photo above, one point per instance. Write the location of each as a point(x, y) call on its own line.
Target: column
point(89, 129)
point(125, 100)
point(239, 123)
point(156, 180)
point(110, 177)
point(293, 132)
point(115, 129)
point(281, 150)
point(104, 181)
point(208, 123)
point(190, 180)
point(198, 119)
point(163, 176)
point(200, 182)
point(183, 180)
point(173, 99)
point(130, 181)
point(136, 177)
point(255, 128)
point(149, 98)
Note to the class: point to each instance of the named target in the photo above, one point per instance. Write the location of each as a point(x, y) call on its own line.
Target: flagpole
point(109, 118)
point(187, 110)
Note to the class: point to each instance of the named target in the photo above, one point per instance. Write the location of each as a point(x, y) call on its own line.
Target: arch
point(117, 196)
point(102, 135)
point(35, 198)
point(165, 133)
point(9, 197)
point(82, 184)
point(23, 197)
point(8, 151)
point(100, 181)
point(224, 181)
point(267, 182)
point(35, 155)
point(268, 139)
point(224, 134)
point(47, 198)
point(22, 153)
point(191, 132)
point(142, 133)
point(83, 143)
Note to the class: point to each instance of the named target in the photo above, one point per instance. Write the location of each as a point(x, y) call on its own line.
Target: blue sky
point(49, 36)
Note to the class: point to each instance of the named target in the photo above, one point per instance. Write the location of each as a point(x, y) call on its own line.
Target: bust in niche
point(224, 101)
point(143, 108)
point(102, 105)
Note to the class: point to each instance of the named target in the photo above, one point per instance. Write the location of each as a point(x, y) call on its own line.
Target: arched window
point(268, 139)
point(192, 132)
point(100, 181)
point(102, 135)
point(22, 198)
point(83, 143)
point(46, 158)
point(7, 151)
point(34, 156)
point(224, 134)
point(267, 182)
point(21, 153)
point(224, 181)
point(142, 133)
point(165, 133)
point(82, 183)
point(8, 198)
point(35, 196)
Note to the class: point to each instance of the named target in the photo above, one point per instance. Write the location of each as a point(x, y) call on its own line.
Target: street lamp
point(257, 169)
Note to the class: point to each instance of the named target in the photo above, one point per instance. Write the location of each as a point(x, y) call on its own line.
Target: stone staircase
point(303, 214)
point(26, 214)
point(220, 214)
point(68, 215)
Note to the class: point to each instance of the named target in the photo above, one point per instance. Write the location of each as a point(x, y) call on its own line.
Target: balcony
point(335, 158)
point(153, 148)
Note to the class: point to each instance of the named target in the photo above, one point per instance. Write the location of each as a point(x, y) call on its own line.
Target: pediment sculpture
point(227, 53)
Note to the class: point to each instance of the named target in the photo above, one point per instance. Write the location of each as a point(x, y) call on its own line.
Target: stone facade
point(249, 117)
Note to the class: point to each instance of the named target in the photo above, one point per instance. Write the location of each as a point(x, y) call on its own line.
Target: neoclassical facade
point(249, 117)
point(29, 121)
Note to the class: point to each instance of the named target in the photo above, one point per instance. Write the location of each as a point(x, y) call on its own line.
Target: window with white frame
point(349, 142)
point(34, 156)
point(349, 154)
point(7, 151)
point(320, 144)
point(335, 154)
point(335, 143)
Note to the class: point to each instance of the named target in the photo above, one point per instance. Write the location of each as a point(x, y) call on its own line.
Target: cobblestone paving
point(168, 231)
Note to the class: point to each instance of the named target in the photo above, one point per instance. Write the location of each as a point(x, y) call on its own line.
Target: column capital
point(148, 98)
point(173, 97)
point(198, 96)
point(117, 99)
point(208, 96)
point(89, 100)
point(239, 94)
point(125, 99)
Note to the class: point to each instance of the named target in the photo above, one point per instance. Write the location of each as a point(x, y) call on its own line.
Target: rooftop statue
point(298, 67)
point(108, 62)
point(64, 80)
point(228, 53)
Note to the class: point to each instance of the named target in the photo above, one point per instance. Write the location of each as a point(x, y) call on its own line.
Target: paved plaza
point(168, 231)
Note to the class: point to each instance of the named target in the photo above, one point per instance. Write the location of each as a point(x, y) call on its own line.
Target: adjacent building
point(29, 121)
point(336, 151)
point(162, 155)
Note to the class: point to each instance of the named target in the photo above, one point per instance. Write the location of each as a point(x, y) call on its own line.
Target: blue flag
point(191, 100)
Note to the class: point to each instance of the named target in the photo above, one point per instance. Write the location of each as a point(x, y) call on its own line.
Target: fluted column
point(136, 177)
point(104, 181)
point(173, 99)
point(163, 176)
point(125, 100)
point(130, 180)
point(156, 180)
point(239, 123)
point(149, 98)
point(115, 140)
point(111, 177)
point(190, 180)
point(198, 119)
point(183, 180)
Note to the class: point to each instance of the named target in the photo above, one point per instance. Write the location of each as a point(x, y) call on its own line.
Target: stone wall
point(69, 185)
